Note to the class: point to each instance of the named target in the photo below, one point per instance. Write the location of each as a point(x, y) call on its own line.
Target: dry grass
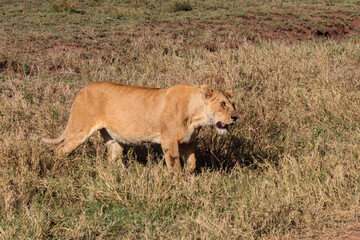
point(290, 168)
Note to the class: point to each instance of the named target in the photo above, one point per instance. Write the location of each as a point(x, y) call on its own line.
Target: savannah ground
point(289, 169)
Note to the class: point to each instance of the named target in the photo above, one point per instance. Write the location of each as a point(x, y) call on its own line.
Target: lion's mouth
point(221, 125)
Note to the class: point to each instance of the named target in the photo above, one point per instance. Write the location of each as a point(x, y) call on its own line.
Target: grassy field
point(289, 169)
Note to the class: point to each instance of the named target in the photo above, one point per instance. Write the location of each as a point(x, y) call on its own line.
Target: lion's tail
point(56, 140)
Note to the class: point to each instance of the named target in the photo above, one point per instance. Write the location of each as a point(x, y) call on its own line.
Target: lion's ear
point(230, 92)
point(206, 91)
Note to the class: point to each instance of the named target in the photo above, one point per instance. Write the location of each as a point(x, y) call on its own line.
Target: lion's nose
point(234, 117)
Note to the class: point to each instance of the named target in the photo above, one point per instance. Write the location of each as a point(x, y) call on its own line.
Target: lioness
point(133, 115)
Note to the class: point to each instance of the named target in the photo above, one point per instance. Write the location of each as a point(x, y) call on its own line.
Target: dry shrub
point(63, 5)
point(180, 5)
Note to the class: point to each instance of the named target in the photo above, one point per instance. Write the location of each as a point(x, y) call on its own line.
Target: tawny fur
point(133, 115)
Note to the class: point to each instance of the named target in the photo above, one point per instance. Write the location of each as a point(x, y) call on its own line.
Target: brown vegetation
point(290, 168)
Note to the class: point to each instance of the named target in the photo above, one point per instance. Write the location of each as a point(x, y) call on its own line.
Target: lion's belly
point(135, 138)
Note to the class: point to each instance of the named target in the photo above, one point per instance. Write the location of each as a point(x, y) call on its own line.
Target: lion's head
point(220, 108)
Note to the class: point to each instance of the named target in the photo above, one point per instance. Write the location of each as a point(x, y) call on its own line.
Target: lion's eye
point(223, 104)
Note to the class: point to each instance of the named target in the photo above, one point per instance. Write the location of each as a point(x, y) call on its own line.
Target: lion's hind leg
point(75, 135)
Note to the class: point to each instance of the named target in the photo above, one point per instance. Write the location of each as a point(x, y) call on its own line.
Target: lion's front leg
point(172, 157)
point(188, 151)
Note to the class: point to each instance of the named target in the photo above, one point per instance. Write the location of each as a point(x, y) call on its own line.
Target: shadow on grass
point(212, 152)
point(142, 153)
point(225, 152)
